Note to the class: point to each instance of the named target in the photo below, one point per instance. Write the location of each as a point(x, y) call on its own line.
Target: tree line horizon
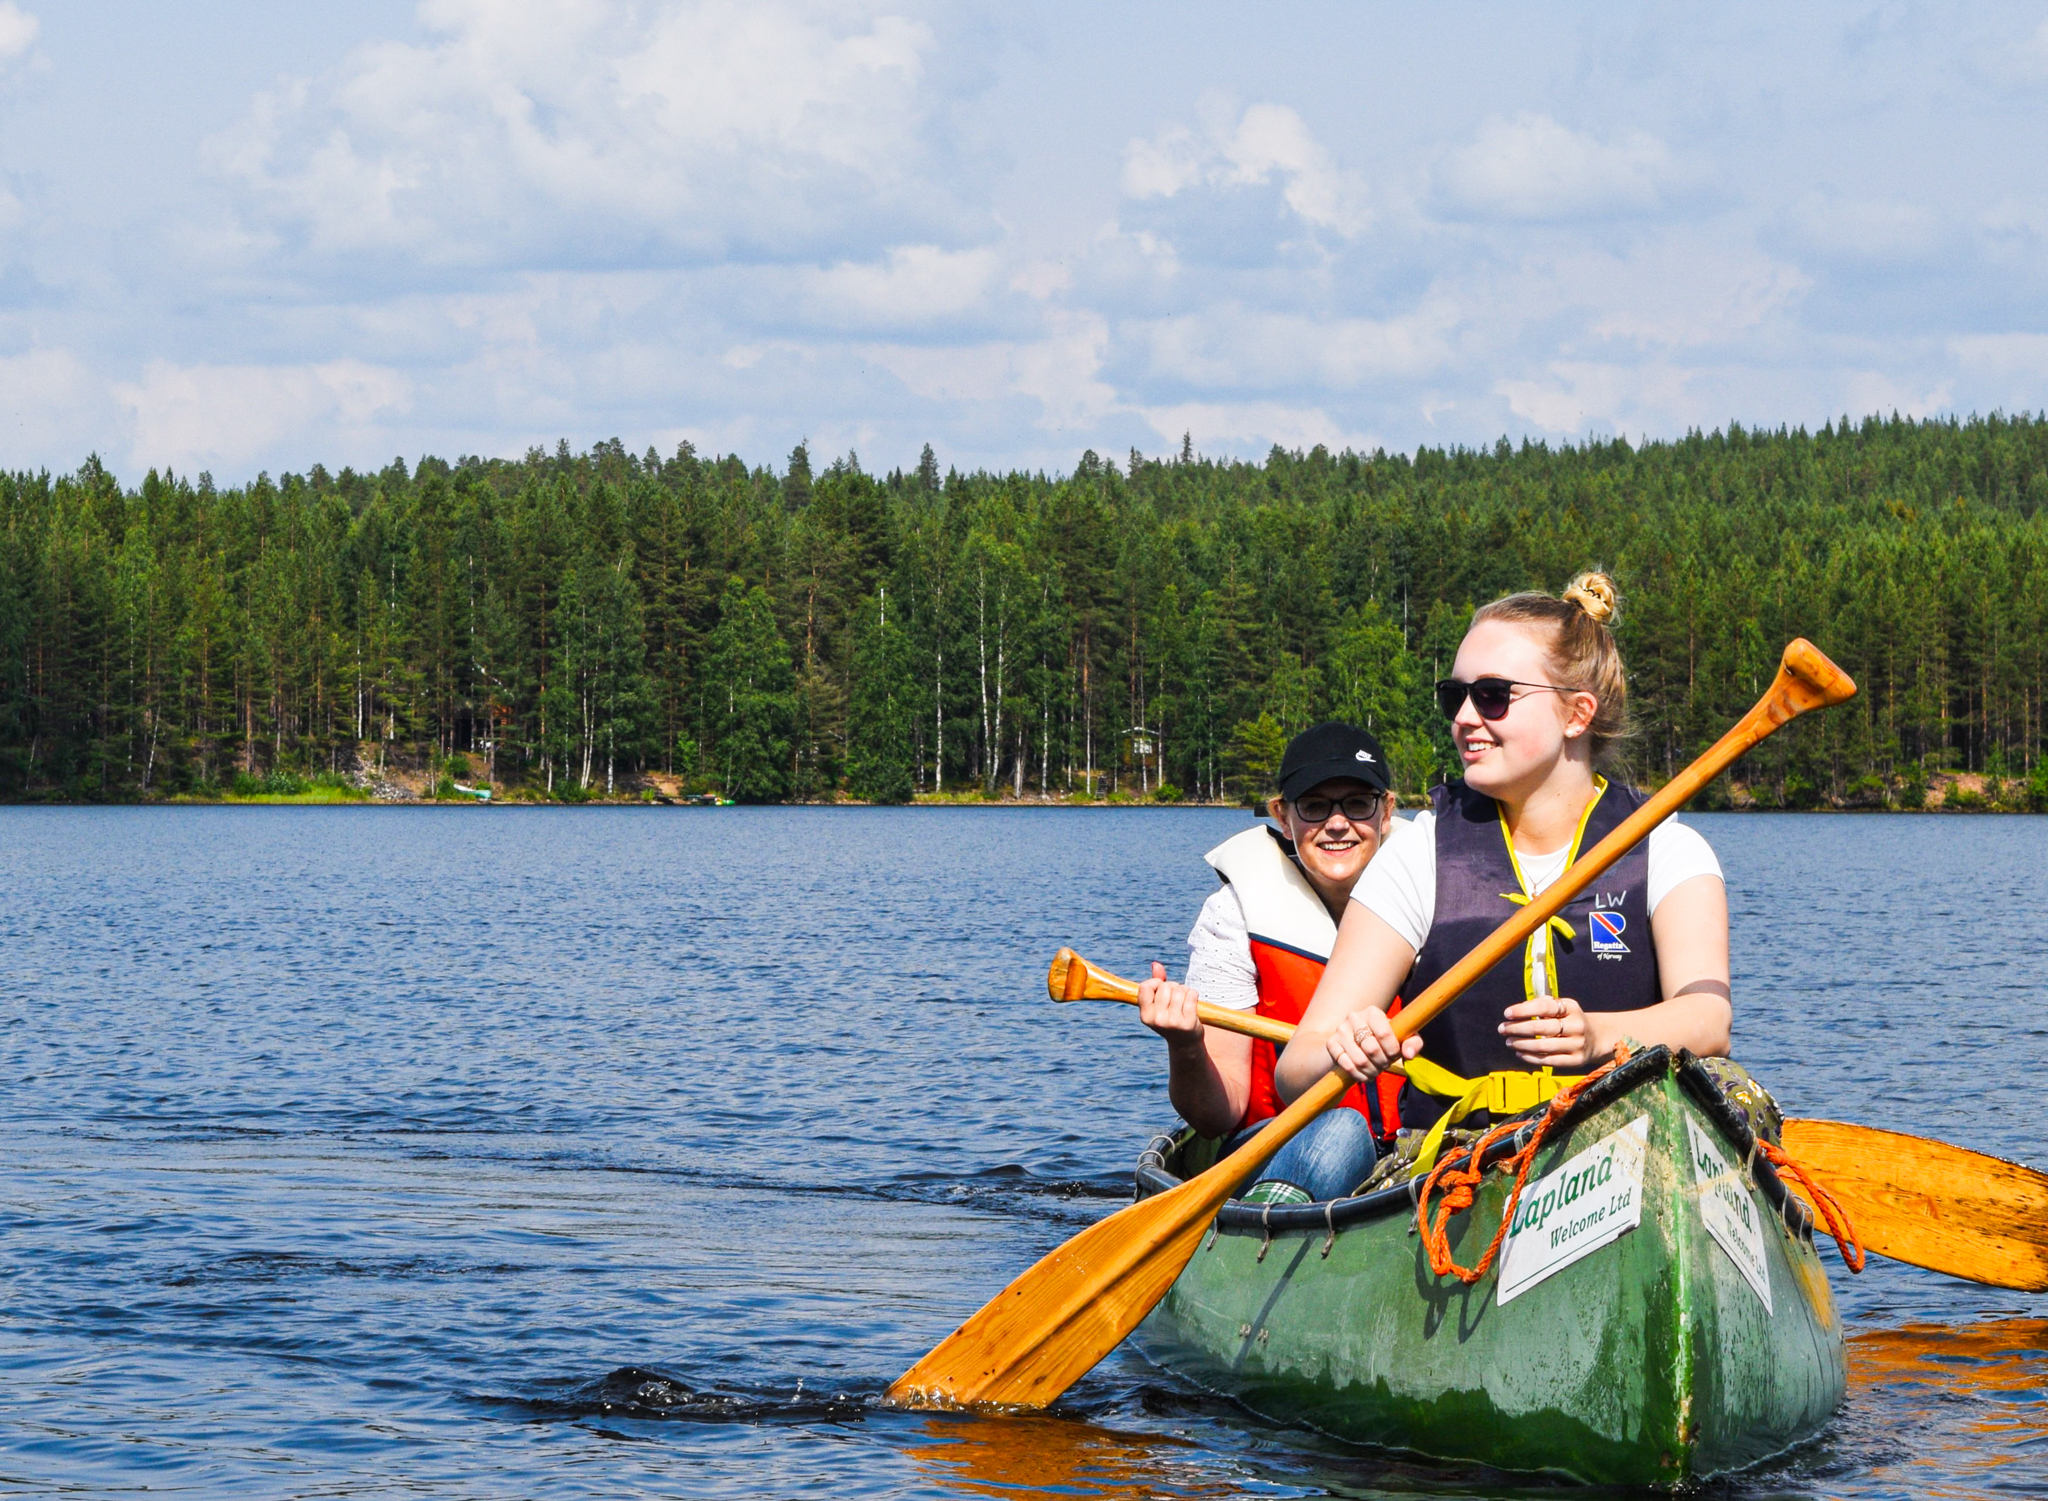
point(1153, 628)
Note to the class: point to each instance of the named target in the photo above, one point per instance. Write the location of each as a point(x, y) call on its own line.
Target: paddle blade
point(1047, 1329)
point(1052, 1325)
point(1945, 1208)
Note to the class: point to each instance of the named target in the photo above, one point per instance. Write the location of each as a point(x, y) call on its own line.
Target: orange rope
point(1460, 1183)
point(1839, 1226)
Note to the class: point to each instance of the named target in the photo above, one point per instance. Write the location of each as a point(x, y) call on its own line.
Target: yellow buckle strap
point(1503, 1092)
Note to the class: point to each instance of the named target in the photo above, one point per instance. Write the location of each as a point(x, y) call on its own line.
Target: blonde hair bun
point(1596, 595)
point(1582, 651)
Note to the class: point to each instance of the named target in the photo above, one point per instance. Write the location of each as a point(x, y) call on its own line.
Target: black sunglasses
point(1359, 807)
point(1492, 697)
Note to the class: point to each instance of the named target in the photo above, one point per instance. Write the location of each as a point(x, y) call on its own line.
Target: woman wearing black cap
point(1260, 943)
point(1536, 700)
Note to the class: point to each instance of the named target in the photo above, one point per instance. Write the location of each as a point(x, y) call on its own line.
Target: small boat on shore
point(1657, 1313)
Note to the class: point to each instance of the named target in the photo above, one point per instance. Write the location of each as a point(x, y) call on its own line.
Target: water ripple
point(353, 1153)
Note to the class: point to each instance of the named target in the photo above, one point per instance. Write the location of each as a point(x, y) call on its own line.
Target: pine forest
point(605, 625)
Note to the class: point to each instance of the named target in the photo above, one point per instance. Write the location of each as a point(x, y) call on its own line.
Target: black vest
point(1611, 965)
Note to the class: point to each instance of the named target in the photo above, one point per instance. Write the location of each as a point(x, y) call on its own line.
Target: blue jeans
point(1327, 1158)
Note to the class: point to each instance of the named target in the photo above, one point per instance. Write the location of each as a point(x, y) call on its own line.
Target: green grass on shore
point(310, 795)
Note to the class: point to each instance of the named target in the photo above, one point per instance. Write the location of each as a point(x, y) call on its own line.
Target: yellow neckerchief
point(1525, 896)
point(1506, 1091)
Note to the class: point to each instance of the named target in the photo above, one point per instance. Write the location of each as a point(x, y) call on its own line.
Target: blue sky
point(239, 237)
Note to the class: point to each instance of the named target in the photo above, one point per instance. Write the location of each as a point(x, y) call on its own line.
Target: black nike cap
point(1328, 751)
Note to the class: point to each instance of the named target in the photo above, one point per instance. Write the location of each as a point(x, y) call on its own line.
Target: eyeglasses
point(1492, 697)
point(1359, 807)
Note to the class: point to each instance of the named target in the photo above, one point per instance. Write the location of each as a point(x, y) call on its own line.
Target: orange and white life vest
point(1292, 934)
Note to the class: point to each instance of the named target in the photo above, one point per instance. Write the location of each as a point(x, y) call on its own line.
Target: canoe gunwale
point(1153, 1175)
point(1705, 1093)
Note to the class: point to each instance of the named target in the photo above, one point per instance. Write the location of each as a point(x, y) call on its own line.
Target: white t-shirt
point(1399, 887)
point(1220, 953)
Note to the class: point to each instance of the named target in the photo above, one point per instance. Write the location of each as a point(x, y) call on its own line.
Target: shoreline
point(1956, 793)
point(317, 800)
point(392, 780)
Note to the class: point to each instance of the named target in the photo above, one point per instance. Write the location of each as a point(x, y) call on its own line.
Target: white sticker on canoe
point(1730, 1213)
point(1576, 1209)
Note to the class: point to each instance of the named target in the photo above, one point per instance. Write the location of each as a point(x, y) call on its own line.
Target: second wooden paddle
point(1945, 1208)
point(1046, 1329)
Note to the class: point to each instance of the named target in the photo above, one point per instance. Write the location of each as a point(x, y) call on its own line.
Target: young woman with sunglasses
point(1260, 943)
point(1537, 700)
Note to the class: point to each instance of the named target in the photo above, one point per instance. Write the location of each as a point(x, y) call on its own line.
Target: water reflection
point(1965, 1402)
point(1031, 1455)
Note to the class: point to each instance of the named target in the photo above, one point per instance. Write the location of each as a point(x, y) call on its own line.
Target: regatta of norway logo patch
point(1607, 930)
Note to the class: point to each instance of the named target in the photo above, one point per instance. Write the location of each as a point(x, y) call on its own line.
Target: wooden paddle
point(1049, 1327)
point(1945, 1208)
point(1073, 978)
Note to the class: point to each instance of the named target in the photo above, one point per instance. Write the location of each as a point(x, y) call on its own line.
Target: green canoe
point(1665, 1319)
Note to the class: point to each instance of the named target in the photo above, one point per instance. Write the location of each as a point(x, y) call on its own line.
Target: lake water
point(492, 1152)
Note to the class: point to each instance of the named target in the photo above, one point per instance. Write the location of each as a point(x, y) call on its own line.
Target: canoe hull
point(1651, 1361)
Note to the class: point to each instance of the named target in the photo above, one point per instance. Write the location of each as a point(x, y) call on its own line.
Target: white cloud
point(1267, 142)
point(2024, 61)
point(1061, 371)
point(199, 416)
point(1872, 229)
point(914, 284)
point(1661, 397)
point(1884, 393)
point(1531, 167)
point(1059, 374)
point(2013, 232)
point(1253, 427)
point(1676, 291)
point(1229, 345)
point(952, 373)
point(50, 403)
point(594, 130)
point(18, 31)
point(1576, 397)
point(882, 221)
point(2004, 356)
point(1042, 280)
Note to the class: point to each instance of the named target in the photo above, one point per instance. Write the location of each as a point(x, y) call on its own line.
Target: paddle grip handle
point(1072, 978)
